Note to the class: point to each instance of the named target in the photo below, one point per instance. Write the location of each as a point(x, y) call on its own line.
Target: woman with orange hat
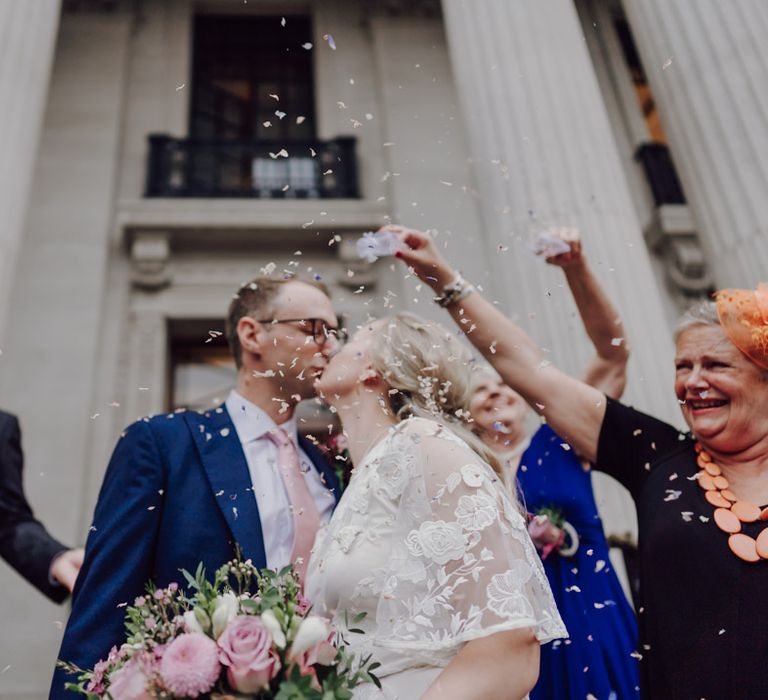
point(701, 497)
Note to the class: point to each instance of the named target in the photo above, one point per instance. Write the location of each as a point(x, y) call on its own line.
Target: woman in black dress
point(700, 497)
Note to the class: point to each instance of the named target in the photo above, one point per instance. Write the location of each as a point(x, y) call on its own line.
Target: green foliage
point(160, 615)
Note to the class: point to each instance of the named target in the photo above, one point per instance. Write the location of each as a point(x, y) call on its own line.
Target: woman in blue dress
point(600, 658)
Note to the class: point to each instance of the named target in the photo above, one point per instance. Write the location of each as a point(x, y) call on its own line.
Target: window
point(653, 154)
point(202, 370)
point(640, 81)
point(252, 78)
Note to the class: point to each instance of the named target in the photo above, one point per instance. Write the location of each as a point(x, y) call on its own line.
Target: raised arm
point(608, 370)
point(574, 409)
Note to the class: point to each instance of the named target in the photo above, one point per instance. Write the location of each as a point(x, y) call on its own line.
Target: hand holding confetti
point(419, 251)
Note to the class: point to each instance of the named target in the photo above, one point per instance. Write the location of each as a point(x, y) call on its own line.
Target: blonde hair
point(428, 370)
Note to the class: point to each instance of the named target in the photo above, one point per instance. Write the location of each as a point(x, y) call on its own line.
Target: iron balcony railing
point(264, 169)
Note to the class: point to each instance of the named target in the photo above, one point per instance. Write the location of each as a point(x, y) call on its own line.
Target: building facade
point(161, 152)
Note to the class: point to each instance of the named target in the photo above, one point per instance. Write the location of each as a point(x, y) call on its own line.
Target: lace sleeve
point(463, 566)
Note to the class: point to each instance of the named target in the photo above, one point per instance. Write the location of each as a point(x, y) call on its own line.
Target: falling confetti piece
point(329, 39)
point(307, 46)
point(181, 87)
point(672, 495)
point(300, 120)
point(282, 21)
point(275, 97)
point(279, 114)
point(667, 63)
point(617, 341)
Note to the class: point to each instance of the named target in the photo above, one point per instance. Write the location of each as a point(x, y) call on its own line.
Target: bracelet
point(454, 292)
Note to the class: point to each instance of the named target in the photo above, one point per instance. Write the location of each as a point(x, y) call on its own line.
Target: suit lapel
point(327, 474)
point(225, 465)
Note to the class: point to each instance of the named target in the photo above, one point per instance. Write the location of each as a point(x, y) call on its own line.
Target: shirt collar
point(252, 423)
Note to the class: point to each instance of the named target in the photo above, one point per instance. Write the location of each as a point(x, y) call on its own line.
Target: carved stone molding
point(672, 235)
point(150, 260)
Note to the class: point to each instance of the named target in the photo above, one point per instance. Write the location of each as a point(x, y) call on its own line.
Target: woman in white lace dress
point(426, 540)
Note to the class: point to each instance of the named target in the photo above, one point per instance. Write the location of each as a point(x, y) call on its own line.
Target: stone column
point(27, 38)
point(544, 154)
point(707, 64)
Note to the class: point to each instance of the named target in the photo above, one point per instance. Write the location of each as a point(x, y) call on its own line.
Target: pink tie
point(306, 519)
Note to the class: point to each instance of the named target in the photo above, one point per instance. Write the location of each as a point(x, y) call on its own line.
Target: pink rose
point(190, 665)
point(302, 605)
point(130, 682)
point(246, 648)
point(545, 535)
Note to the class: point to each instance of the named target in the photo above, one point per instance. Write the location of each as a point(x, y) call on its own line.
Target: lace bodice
point(427, 542)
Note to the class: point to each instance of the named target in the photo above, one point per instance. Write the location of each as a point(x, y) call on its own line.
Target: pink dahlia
point(131, 681)
point(190, 665)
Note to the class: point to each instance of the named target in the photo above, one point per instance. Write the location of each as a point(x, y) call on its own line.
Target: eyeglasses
point(315, 327)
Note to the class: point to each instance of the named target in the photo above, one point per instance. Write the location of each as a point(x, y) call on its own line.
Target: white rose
point(476, 512)
point(312, 631)
point(227, 606)
point(439, 541)
point(191, 621)
point(273, 626)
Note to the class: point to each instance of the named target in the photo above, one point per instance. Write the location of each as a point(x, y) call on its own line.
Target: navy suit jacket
point(177, 492)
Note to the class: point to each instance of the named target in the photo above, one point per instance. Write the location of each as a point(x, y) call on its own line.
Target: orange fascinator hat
point(744, 317)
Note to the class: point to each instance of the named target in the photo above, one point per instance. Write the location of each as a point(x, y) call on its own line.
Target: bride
point(426, 541)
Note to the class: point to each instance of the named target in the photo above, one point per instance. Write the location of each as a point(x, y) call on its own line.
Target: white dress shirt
point(251, 424)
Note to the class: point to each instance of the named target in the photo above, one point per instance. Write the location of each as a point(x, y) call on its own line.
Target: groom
point(189, 487)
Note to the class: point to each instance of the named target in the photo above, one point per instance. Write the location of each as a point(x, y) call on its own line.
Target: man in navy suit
point(190, 487)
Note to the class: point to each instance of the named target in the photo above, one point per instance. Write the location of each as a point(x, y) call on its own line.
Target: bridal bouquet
point(247, 634)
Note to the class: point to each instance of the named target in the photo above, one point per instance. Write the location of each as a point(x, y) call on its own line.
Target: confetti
point(329, 39)
point(307, 46)
point(181, 87)
point(667, 63)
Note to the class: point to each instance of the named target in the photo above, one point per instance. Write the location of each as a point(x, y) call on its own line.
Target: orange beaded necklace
point(731, 512)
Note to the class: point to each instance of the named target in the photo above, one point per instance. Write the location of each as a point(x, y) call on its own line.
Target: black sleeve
point(630, 443)
point(24, 543)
